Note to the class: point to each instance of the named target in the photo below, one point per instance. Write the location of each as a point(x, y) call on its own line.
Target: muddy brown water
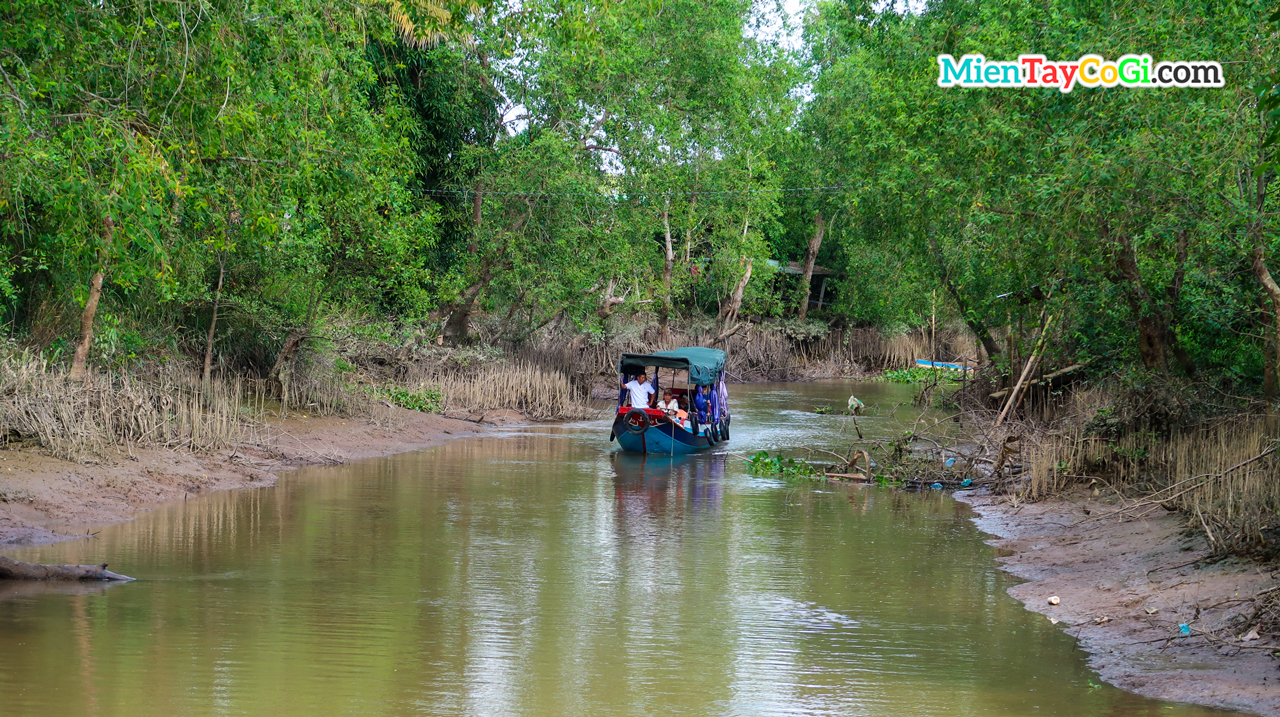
point(539, 572)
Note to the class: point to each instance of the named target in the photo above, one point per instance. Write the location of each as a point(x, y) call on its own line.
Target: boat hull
point(948, 366)
point(661, 439)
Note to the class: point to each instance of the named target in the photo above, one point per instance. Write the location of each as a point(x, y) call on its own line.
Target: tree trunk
point(609, 302)
point(688, 232)
point(213, 322)
point(86, 327)
point(511, 312)
point(669, 260)
point(1185, 362)
point(11, 569)
point(280, 370)
point(1270, 361)
point(1015, 395)
point(975, 324)
point(457, 327)
point(1269, 285)
point(731, 307)
point(1173, 292)
point(1151, 343)
point(1153, 324)
point(810, 256)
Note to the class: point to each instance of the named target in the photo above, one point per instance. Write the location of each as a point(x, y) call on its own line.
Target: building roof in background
point(794, 267)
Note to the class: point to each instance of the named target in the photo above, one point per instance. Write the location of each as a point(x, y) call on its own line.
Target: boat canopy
point(704, 365)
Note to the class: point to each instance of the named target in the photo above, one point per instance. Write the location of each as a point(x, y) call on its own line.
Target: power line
point(616, 195)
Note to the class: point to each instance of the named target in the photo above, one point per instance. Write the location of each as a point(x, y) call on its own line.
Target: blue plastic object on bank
point(936, 486)
point(1185, 628)
point(949, 462)
point(966, 482)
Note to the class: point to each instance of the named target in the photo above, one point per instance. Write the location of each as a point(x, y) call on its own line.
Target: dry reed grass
point(537, 393)
point(1223, 474)
point(777, 351)
point(170, 408)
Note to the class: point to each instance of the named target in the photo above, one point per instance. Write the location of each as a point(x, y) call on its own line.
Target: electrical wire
point(617, 195)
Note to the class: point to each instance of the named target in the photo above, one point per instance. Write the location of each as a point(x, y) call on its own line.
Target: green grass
point(429, 401)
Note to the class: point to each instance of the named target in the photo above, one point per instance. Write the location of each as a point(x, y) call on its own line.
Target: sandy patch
point(1123, 590)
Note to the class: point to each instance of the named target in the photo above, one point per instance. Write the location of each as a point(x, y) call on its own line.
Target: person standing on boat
point(641, 391)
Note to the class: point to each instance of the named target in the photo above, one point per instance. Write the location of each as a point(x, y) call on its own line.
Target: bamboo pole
point(1026, 371)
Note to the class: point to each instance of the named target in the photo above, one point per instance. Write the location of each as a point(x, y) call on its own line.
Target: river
point(539, 572)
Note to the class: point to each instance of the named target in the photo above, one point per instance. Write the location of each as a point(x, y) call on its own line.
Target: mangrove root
point(11, 569)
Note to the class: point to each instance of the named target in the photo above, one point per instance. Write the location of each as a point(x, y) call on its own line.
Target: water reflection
point(18, 589)
point(652, 482)
point(544, 574)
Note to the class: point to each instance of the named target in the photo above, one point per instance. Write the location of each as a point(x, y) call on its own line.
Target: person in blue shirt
point(700, 404)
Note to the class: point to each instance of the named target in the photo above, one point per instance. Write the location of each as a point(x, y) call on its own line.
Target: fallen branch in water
point(11, 569)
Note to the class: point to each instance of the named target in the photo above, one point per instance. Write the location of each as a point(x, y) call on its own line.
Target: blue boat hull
point(663, 439)
point(939, 364)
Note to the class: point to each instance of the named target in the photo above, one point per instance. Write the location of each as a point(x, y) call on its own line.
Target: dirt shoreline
point(1124, 590)
point(46, 500)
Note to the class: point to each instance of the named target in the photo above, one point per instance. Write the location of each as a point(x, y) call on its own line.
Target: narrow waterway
point(542, 573)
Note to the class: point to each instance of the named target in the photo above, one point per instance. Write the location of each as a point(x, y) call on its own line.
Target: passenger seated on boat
point(641, 391)
point(700, 404)
point(671, 406)
point(668, 404)
point(683, 412)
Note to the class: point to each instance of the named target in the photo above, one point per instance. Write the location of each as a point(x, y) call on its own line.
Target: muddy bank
point(45, 499)
point(1124, 589)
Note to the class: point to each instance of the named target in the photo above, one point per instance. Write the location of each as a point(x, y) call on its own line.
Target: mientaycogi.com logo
point(1137, 71)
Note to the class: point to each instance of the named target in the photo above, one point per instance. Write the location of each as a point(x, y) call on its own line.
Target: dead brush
point(533, 391)
point(763, 351)
point(322, 393)
point(1223, 474)
point(169, 408)
point(1266, 612)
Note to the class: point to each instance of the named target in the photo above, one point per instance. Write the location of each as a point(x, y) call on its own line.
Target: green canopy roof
point(704, 365)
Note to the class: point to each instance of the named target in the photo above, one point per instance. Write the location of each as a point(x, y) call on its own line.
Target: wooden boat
point(640, 429)
point(948, 366)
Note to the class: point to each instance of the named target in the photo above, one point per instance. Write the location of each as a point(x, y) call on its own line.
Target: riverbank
point(44, 499)
point(1123, 590)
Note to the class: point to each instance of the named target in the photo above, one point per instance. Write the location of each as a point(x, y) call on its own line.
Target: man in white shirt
point(641, 391)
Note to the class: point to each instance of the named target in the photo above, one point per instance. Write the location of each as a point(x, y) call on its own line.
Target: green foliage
point(888, 481)
point(1122, 213)
point(631, 161)
point(764, 464)
point(919, 374)
point(429, 401)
